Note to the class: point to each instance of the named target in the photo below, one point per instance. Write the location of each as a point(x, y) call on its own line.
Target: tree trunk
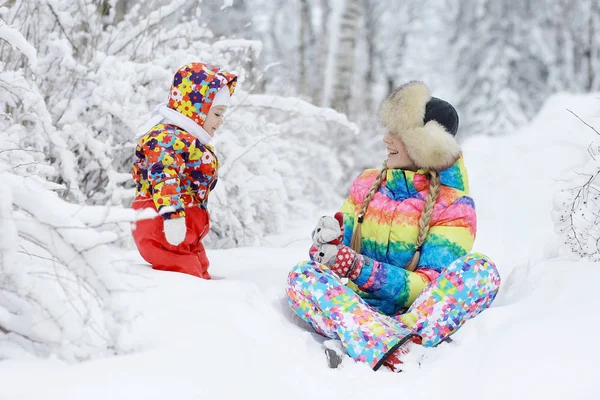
point(120, 10)
point(593, 43)
point(304, 28)
point(372, 15)
point(106, 9)
point(344, 60)
point(322, 51)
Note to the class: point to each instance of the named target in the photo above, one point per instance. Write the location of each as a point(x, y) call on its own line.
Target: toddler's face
point(214, 119)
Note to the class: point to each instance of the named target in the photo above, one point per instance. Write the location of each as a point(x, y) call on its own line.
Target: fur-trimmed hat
point(425, 124)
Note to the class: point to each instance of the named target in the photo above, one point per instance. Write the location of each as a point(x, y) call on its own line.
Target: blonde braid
point(424, 221)
point(356, 242)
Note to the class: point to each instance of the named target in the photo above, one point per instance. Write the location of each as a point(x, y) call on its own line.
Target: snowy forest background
point(77, 78)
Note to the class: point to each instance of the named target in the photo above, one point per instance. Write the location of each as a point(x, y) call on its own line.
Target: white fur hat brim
point(430, 145)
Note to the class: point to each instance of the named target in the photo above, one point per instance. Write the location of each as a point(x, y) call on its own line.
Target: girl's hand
point(342, 260)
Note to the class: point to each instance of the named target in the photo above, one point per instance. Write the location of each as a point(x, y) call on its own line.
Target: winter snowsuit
point(375, 313)
point(175, 172)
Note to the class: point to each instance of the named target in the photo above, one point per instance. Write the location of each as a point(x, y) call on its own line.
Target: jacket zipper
point(406, 183)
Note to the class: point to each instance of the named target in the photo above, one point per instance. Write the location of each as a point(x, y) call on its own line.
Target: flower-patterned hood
point(192, 94)
point(194, 88)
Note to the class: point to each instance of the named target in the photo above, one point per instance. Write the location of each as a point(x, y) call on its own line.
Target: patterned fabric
point(316, 294)
point(463, 290)
point(341, 259)
point(390, 229)
point(172, 167)
point(194, 88)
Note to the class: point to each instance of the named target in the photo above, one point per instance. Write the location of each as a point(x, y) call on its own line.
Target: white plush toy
point(326, 254)
point(328, 230)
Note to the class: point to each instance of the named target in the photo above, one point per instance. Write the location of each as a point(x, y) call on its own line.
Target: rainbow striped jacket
point(390, 228)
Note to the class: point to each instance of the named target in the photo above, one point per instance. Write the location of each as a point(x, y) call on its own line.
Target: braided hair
point(424, 220)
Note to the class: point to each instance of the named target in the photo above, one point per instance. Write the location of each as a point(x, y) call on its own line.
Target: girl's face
point(214, 119)
point(397, 155)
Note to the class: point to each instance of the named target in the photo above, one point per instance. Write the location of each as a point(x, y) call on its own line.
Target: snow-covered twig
point(577, 208)
point(579, 118)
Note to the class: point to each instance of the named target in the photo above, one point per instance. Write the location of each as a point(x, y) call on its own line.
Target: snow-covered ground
point(234, 337)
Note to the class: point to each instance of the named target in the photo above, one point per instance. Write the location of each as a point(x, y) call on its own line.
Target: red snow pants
point(189, 257)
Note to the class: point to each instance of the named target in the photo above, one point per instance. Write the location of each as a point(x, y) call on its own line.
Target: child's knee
point(485, 264)
point(303, 274)
point(480, 265)
point(301, 271)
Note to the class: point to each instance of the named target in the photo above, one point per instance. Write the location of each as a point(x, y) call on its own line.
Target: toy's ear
point(340, 218)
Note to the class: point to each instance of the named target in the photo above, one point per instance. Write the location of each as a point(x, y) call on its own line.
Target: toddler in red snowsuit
point(175, 169)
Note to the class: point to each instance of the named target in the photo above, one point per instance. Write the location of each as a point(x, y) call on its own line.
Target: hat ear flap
point(442, 112)
point(431, 146)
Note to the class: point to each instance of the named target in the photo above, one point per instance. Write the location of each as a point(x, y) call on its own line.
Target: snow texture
point(82, 316)
point(15, 39)
point(236, 337)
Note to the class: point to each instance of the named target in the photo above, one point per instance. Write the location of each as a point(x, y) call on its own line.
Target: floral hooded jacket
point(172, 167)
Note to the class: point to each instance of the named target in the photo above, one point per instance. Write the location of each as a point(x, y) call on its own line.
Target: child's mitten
point(175, 230)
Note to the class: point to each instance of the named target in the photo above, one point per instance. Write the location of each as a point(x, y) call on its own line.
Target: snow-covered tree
point(77, 78)
point(274, 151)
point(345, 54)
point(509, 57)
point(53, 253)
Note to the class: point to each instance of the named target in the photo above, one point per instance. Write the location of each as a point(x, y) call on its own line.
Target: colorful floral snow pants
point(464, 289)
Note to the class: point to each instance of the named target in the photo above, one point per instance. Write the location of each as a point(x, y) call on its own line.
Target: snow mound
point(235, 337)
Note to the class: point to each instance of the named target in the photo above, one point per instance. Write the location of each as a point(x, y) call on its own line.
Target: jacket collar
point(165, 115)
point(401, 184)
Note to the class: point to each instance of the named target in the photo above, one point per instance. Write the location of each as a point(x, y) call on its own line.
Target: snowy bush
point(277, 164)
point(59, 271)
point(56, 284)
point(577, 209)
point(577, 204)
point(77, 78)
point(101, 75)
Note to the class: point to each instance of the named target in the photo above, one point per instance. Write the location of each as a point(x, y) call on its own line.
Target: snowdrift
point(234, 337)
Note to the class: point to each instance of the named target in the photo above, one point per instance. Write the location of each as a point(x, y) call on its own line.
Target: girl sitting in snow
point(402, 239)
point(175, 169)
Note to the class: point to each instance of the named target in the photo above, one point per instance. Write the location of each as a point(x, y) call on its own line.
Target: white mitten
point(327, 230)
point(175, 230)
